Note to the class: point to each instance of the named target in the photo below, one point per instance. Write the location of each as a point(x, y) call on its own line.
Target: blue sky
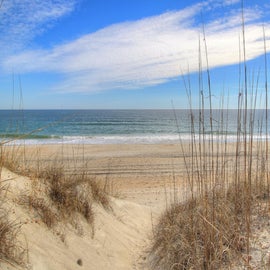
point(125, 54)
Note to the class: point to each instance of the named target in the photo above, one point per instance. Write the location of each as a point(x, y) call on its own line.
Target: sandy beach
point(143, 180)
point(138, 173)
point(143, 173)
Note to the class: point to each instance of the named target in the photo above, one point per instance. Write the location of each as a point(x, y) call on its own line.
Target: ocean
point(119, 126)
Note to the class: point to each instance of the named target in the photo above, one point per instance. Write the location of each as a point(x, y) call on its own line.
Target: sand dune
point(141, 178)
point(119, 238)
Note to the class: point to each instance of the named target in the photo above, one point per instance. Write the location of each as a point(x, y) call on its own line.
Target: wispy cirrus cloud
point(146, 52)
point(22, 20)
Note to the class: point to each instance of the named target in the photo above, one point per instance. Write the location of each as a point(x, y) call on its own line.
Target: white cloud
point(145, 52)
point(22, 20)
point(231, 2)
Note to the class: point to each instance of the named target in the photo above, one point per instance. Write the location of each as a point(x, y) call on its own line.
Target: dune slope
point(115, 240)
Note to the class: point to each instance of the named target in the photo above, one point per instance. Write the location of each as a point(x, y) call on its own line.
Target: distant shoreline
point(147, 139)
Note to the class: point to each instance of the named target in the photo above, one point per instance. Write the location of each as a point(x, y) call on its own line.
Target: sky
point(130, 54)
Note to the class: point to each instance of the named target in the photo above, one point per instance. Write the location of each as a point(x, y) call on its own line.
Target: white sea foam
point(133, 139)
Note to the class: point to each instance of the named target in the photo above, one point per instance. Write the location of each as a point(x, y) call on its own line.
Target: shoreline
point(127, 139)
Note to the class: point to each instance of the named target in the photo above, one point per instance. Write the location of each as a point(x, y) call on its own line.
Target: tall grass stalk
point(227, 180)
point(266, 109)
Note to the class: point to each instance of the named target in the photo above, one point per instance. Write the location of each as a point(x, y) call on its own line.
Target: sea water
point(126, 126)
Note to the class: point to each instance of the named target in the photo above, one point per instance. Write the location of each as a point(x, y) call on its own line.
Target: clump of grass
point(64, 195)
point(189, 237)
point(61, 199)
point(42, 208)
point(67, 195)
point(11, 249)
point(11, 158)
point(99, 194)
